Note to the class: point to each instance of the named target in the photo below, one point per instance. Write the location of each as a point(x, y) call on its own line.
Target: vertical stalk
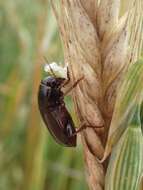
point(33, 179)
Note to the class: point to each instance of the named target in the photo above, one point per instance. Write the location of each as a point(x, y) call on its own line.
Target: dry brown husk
point(101, 40)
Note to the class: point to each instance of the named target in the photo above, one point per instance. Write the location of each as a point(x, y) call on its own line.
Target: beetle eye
point(69, 130)
point(53, 83)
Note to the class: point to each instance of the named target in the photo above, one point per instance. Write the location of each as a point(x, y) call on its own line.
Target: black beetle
point(54, 112)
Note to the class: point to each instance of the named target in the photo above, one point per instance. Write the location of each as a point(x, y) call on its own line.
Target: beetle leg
point(74, 85)
point(84, 126)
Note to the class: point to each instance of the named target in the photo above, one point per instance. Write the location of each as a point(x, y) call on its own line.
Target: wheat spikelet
point(99, 43)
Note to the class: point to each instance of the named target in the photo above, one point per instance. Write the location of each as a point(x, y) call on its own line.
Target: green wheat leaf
point(129, 95)
point(125, 141)
point(126, 163)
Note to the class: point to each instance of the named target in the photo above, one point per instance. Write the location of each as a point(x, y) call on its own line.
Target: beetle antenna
point(49, 66)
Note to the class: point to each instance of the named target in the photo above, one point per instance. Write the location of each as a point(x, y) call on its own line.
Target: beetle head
point(53, 82)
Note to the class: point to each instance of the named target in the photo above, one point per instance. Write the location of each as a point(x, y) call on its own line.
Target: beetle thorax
point(53, 82)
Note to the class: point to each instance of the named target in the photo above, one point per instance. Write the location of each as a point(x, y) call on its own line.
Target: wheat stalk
point(100, 42)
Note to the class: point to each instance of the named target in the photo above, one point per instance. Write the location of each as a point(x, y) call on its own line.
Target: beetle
point(54, 112)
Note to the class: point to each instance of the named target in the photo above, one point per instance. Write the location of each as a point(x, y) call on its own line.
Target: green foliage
point(29, 157)
point(125, 168)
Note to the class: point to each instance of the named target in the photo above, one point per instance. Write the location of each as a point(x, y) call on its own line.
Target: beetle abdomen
point(56, 118)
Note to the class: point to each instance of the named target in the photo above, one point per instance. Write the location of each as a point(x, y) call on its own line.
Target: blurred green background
point(29, 157)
